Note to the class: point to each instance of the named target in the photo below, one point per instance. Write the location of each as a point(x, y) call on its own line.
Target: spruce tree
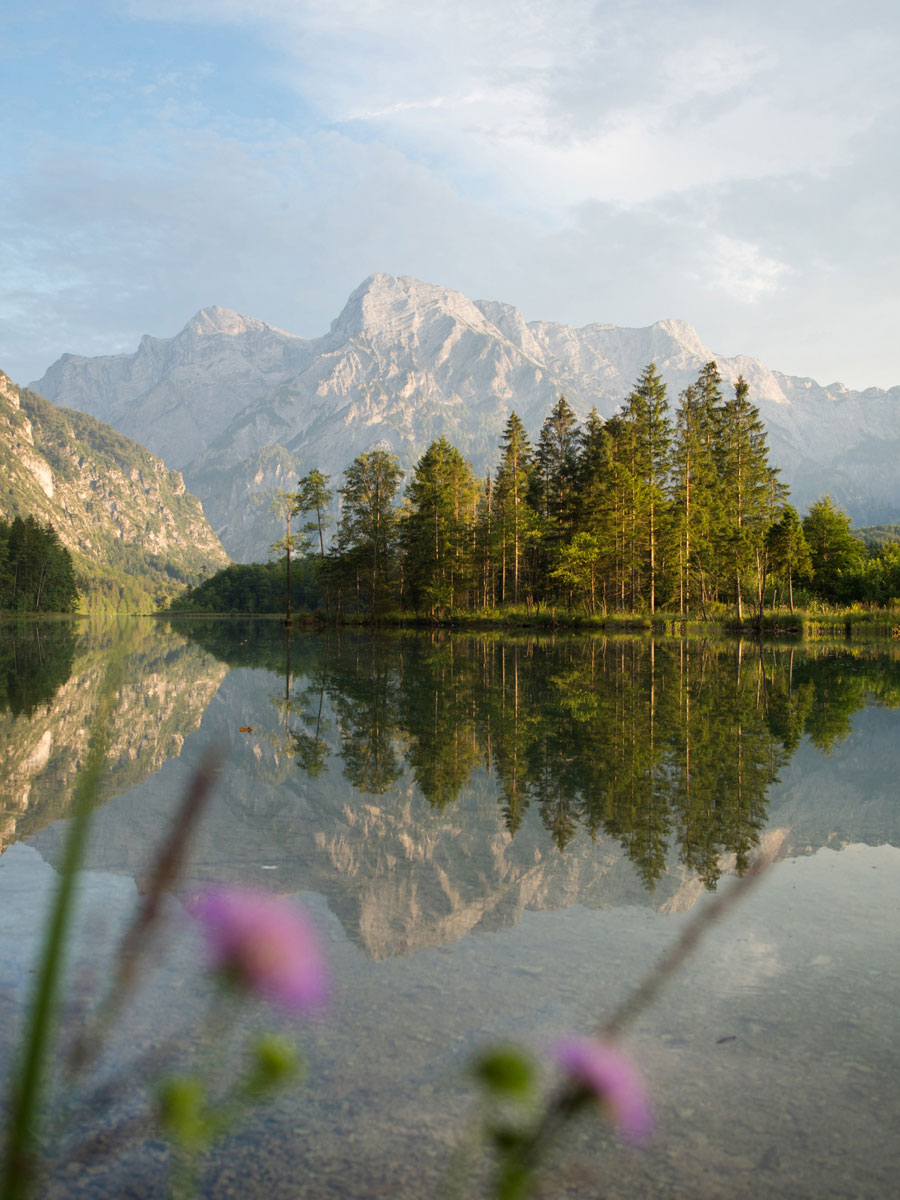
point(649, 437)
point(314, 495)
point(367, 535)
point(748, 490)
point(835, 553)
point(788, 550)
point(553, 483)
point(596, 503)
point(516, 521)
point(437, 528)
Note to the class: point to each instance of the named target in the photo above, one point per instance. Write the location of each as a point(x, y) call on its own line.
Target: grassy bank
point(817, 622)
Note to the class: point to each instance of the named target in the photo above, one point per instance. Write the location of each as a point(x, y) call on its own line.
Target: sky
point(731, 164)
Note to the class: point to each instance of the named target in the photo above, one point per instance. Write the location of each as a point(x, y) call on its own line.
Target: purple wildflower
point(612, 1077)
point(264, 944)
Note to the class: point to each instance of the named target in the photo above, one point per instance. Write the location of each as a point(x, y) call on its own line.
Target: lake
point(498, 837)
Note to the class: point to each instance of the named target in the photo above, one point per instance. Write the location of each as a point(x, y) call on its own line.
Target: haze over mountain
point(241, 407)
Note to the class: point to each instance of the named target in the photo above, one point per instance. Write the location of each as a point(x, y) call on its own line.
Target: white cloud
point(740, 270)
point(733, 165)
point(558, 104)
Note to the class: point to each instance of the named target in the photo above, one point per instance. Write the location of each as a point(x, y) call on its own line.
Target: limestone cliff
point(406, 362)
point(135, 534)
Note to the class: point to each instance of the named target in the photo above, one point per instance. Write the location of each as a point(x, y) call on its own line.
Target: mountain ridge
point(406, 361)
point(135, 533)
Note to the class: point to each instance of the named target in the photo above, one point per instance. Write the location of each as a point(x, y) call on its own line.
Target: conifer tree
point(748, 491)
point(367, 535)
point(314, 495)
point(36, 571)
point(515, 515)
point(691, 493)
point(553, 482)
point(437, 528)
point(595, 507)
point(649, 436)
point(788, 550)
point(705, 559)
point(834, 551)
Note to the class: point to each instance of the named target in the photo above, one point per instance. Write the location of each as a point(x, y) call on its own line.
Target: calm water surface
point(497, 838)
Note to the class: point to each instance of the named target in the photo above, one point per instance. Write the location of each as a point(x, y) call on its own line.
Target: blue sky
point(734, 165)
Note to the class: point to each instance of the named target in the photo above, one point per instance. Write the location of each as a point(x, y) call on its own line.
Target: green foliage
point(363, 569)
point(788, 551)
point(253, 588)
point(634, 515)
point(516, 522)
point(506, 1072)
point(36, 572)
point(437, 530)
point(134, 534)
point(836, 555)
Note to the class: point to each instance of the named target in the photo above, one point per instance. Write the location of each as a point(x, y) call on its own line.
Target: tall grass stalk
point(25, 1091)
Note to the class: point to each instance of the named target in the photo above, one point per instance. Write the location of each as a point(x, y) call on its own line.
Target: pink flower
point(264, 944)
point(610, 1076)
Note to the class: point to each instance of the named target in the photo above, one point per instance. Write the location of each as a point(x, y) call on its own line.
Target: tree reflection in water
point(668, 747)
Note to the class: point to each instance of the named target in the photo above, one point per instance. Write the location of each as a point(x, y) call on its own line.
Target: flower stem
point(25, 1098)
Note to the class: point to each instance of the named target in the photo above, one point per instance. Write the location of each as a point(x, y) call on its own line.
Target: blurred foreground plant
point(262, 947)
point(519, 1125)
point(258, 945)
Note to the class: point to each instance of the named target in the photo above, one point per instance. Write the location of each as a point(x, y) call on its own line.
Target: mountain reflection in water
point(419, 788)
point(669, 748)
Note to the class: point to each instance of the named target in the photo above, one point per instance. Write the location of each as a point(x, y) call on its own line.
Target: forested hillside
point(135, 535)
point(36, 572)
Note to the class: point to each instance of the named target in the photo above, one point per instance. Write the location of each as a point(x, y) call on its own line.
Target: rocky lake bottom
point(771, 1058)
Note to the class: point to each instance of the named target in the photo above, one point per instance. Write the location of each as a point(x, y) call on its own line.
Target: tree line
point(640, 512)
point(36, 571)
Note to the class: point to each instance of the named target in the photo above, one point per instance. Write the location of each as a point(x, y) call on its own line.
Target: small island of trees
point(636, 514)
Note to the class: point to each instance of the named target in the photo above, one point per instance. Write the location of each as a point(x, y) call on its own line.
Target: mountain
point(135, 534)
point(241, 407)
point(170, 684)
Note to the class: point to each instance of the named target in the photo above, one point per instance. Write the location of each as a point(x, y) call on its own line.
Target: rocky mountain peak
point(396, 307)
point(407, 361)
point(685, 335)
point(214, 320)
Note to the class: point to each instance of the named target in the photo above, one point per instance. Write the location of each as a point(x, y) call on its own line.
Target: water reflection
point(668, 748)
point(419, 788)
point(35, 661)
point(50, 678)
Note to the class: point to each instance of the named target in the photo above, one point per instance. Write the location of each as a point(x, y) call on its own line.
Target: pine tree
point(649, 437)
point(516, 521)
point(437, 529)
point(314, 495)
point(553, 483)
point(788, 550)
point(834, 551)
point(596, 501)
point(703, 428)
point(367, 535)
point(748, 490)
point(692, 480)
point(36, 571)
